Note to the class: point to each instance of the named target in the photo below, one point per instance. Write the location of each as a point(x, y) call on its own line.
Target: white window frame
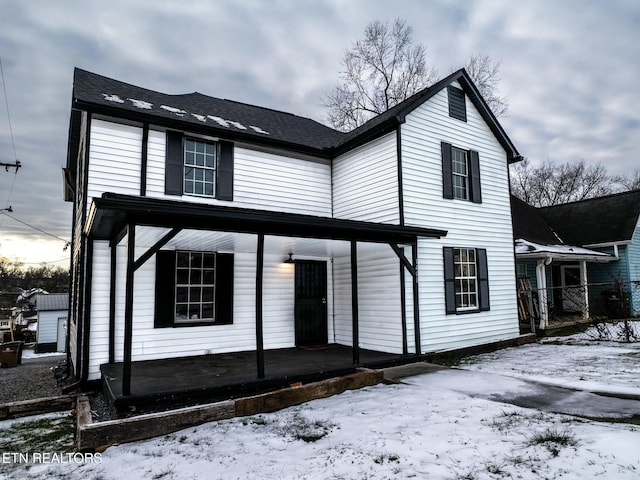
point(460, 179)
point(195, 287)
point(465, 273)
point(202, 165)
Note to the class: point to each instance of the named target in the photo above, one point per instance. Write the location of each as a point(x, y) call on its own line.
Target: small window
point(199, 168)
point(521, 270)
point(460, 173)
point(457, 103)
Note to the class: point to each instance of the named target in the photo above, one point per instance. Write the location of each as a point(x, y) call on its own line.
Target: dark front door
point(311, 303)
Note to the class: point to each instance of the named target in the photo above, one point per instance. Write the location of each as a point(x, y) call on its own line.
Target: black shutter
point(174, 164)
point(447, 180)
point(224, 184)
point(224, 288)
point(457, 103)
point(449, 281)
point(165, 289)
point(483, 278)
point(474, 172)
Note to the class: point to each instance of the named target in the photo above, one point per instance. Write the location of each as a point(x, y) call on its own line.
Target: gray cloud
point(569, 70)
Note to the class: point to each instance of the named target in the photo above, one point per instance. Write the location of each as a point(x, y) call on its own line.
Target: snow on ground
point(433, 426)
point(29, 352)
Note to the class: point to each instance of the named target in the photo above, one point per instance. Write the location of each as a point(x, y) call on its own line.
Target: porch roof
point(110, 214)
point(526, 249)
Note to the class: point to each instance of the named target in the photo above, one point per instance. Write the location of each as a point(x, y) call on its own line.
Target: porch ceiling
point(110, 213)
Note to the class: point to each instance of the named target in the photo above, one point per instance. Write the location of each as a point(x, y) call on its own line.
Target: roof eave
point(176, 124)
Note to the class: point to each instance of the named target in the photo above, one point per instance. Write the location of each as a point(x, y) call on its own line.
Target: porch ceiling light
point(290, 259)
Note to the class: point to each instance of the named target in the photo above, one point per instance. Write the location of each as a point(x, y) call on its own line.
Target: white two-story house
point(211, 230)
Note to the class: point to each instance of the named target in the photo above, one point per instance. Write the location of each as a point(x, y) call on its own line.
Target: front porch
point(176, 382)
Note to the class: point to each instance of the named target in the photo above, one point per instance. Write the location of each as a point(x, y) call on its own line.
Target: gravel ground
point(31, 379)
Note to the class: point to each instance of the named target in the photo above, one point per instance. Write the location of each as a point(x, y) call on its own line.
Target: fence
point(557, 307)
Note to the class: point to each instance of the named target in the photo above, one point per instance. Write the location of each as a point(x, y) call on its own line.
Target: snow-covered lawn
point(434, 426)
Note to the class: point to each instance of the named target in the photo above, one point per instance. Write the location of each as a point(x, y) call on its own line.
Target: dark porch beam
point(354, 303)
point(416, 299)
point(403, 259)
point(117, 238)
point(128, 310)
point(112, 305)
point(259, 329)
point(154, 249)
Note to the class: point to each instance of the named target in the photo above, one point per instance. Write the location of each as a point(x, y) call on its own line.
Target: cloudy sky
point(569, 69)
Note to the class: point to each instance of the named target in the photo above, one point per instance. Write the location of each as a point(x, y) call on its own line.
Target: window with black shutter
point(193, 288)
point(466, 280)
point(198, 167)
point(460, 173)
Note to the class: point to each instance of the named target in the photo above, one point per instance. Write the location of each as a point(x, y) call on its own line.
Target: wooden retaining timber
point(37, 406)
point(91, 436)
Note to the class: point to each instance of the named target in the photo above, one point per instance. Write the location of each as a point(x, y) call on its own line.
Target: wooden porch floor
point(176, 382)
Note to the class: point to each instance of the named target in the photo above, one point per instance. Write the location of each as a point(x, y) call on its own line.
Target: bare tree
point(630, 181)
point(485, 73)
point(380, 71)
point(554, 184)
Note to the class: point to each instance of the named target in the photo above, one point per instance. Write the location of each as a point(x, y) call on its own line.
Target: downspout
point(541, 278)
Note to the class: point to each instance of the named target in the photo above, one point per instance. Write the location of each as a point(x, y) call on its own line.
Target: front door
point(572, 292)
point(311, 303)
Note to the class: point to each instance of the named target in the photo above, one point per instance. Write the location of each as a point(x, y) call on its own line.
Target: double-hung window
point(199, 168)
point(460, 173)
point(193, 288)
point(466, 279)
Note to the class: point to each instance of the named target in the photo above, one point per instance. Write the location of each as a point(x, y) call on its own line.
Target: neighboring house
point(595, 241)
point(205, 226)
point(51, 332)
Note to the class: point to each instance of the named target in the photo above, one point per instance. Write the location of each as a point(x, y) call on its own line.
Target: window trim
point(482, 281)
point(175, 165)
point(455, 174)
point(474, 191)
point(203, 168)
point(165, 290)
point(189, 287)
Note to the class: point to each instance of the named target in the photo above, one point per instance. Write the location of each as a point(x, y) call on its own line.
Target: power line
point(67, 243)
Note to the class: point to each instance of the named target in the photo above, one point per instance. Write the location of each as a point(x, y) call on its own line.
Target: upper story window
point(460, 174)
point(457, 103)
point(199, 167)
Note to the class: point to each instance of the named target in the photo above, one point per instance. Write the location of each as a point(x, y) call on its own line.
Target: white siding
point(261, 180)
point(486, 225)
point(365, 182)
point(99, 308)
point(379, 308)
point(115, 153)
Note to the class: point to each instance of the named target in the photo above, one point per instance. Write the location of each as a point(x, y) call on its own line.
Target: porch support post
point(259, 279)
point(112, 305)
point(128, 310)
point(585, 289)
point(541, 279)
point(416, 298)
point(403, 310)
point(354, 302)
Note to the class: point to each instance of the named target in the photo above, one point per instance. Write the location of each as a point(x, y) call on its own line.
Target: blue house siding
point(609, 272)
point(634, 271)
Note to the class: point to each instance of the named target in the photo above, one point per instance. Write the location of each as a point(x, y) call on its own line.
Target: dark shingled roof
point(105, 95)
point(240, 121)
point(529, 224)
point(612, 218)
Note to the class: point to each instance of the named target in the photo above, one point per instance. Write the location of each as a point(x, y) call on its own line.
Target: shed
point(52, 322)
